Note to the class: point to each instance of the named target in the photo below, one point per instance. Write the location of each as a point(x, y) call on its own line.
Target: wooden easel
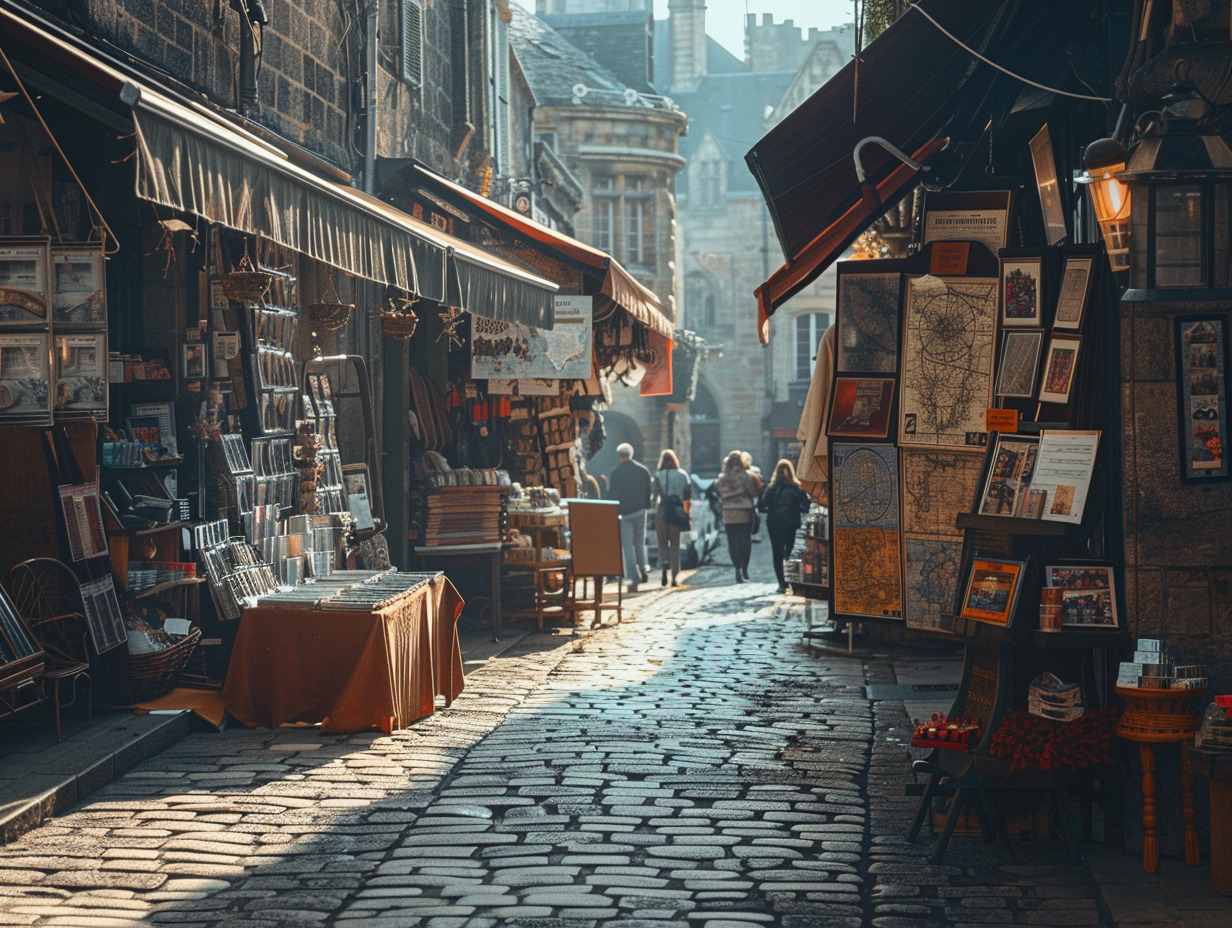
point(594, 529)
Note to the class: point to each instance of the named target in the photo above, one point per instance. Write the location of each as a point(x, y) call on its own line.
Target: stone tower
point(687, 44)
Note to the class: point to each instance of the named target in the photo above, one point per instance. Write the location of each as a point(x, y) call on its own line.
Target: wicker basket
point(331, 313)
point(399, 325)
point(156, 672)
point(1157, 715)
point(246, 284)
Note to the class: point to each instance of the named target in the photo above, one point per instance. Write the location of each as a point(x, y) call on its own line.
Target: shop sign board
point(512, 351)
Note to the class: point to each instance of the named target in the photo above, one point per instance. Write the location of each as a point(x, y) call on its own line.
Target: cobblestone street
point(695, 766)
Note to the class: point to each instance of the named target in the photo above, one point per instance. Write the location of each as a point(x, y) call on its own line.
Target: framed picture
point(860, 407)
point(992, 590)
point(1075, 288)
point(81, 373)
point(1019, 362)
point(1088, 599)
point(160, 416)
point(1051, 206)
point(192, 360)
point(78, 285)
point(24, 282)
point(968, 216)
point(355, 488)
point(1060, 363)
point(1202, 395)
point(25, 377)
point(1021, 289)
point(869, 308)
point(1010, 468)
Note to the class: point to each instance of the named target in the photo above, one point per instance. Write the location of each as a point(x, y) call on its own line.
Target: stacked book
point(463, 515)
point(1051, 698)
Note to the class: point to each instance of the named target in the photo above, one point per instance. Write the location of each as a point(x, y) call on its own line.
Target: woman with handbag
point(737, 490)
point(784, 503)
point(672, 487)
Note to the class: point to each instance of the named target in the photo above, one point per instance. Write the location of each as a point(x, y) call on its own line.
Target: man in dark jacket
point(629, 485)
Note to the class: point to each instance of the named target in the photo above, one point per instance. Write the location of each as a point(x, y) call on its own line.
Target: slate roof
point(619, 41)
point(551, 64)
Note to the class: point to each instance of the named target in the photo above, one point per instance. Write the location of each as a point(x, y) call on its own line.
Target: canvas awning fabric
point(898, 88)
point(192, 160)
point(195, 165)
point(611, 279)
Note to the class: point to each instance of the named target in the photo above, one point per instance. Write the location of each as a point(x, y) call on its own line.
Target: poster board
point(594, 526)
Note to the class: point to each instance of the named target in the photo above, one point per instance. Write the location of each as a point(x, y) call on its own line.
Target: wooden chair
point(48, 597)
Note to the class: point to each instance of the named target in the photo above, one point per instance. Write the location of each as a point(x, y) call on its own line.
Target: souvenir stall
point(517, 404)
point(194, 430)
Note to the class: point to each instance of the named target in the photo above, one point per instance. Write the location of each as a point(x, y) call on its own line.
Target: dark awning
point(199, 166)
point(609, 277)
point(899, 88)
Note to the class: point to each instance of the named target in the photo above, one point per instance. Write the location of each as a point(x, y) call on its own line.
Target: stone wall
point(1178, 556)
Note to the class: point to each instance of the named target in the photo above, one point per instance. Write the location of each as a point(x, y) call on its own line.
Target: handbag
point(674, 513)
point(756, 523)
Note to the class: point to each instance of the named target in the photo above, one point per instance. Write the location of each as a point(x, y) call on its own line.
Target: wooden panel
point(595, 527)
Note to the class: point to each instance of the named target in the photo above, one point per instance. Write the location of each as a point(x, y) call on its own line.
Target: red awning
point(615, 282)
point(899, 88)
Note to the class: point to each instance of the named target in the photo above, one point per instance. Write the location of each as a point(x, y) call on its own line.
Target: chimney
point(686, 29)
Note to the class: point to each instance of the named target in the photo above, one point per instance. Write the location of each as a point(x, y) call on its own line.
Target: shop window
point(412, 42)
point(809, 329)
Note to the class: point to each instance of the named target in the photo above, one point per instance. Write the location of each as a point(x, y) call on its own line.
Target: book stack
point(464, 515)
point(1049, 697)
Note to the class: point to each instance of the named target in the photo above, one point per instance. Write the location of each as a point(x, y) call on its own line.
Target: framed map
point(949, 337)
point(512, 351)
point(868, 319)
point(1019, 362)
point(936, 486)
point(867, 568)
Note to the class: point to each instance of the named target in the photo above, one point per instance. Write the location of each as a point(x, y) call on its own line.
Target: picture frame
point(1075, 290)
point(868, 320)
point(356, 483)
point(163, 413)
point(968, 216)
point(991, 593)
point(1051, 205)
point(1007, 478)
point(1021, 291)
point(80, 373)
point(1089, 594)
point(192, 360)
point(78, 285)
point(1018, 364)
point(1202, 396)
point(25, 378)
point(25, 286)
point(1060, 365)
point(861, 407)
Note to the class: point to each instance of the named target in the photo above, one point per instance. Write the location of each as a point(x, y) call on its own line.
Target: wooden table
point(1217, 768)
point(1153, 717)
point(447, 557)
point(350, 671)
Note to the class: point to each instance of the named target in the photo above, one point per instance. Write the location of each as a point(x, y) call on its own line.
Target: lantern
point(1103, 160)
point(1180, 182)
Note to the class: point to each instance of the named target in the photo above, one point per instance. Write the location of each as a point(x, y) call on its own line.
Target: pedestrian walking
point(737, 490)
point(629, 485)
point(783, 502)
point(758, 481)
point(674, 490)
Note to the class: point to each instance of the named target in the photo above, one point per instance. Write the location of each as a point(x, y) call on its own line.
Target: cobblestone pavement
point(694, 767)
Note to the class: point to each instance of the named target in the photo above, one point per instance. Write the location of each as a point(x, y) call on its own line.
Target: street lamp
point(1180, 183)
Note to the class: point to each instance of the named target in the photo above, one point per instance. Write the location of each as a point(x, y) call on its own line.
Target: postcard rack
point(320, 411)
point(232, 568)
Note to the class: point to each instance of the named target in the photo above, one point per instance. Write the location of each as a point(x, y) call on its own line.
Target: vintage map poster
point(948, 346)
point(865, 524)
point(868, 313)
point(511, 351)
point(936, 486)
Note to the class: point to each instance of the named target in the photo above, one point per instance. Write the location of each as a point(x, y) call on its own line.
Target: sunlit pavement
point(693, 766)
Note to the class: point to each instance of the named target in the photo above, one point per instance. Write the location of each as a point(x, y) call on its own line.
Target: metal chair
point(47, 594)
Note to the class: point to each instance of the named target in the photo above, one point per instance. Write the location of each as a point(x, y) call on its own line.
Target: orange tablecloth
point(349, 671)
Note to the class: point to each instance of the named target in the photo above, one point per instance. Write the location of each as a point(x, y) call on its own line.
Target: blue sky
point(725, 18)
